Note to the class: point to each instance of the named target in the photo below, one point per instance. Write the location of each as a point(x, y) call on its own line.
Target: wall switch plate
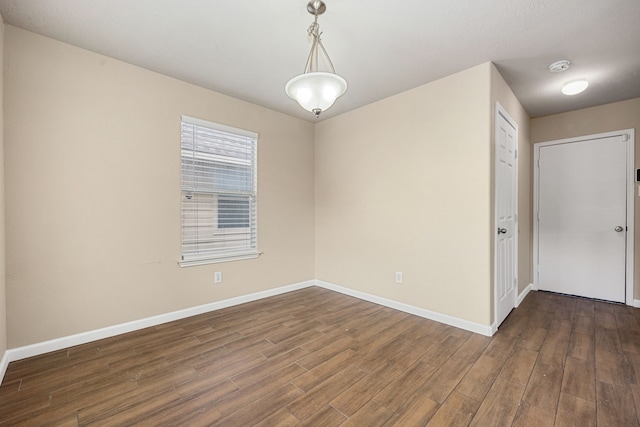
point(217, 277)
point(398, 276)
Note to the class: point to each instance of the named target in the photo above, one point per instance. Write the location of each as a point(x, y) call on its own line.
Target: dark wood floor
point(318, 358)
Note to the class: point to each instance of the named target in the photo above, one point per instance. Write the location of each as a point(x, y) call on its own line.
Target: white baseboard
point(422, 312)
point(4, 364)
point(24, 352)
point(523, 294)
point(636, 303)
point(110, 331)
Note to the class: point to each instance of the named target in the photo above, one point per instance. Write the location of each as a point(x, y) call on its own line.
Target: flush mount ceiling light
point(575, 87)
point(316, 90)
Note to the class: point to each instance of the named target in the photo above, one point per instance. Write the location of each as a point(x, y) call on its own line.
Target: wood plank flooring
point(319, 358)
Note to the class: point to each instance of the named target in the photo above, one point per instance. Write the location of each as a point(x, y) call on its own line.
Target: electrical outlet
point(398, 276)
point(217, 277)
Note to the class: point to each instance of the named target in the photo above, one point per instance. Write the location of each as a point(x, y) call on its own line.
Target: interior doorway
point(506, 218)
point(583, 216)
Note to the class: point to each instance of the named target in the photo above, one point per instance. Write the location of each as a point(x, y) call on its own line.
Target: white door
point(506, 216)
point(582, 211)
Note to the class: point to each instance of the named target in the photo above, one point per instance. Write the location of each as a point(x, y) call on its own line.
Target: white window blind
point(219, 192)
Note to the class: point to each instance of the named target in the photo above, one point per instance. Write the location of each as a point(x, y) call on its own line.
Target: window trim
point(250, 253)
point(209, 260)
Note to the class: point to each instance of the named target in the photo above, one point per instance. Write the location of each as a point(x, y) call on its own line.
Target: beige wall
point(404, 184)
point(500, 92)
point(93, 197)
point(604, 118)
point(3, 292)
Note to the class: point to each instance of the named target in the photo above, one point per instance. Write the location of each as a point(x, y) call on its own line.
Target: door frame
point(500, 111)
point(630, 183)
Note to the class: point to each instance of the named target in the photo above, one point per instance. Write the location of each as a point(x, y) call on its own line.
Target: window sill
point(213, 260)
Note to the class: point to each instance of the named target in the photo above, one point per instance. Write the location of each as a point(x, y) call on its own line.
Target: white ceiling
point(250, 49)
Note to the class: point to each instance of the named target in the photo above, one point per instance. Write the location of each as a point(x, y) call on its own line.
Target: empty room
point(319, 213)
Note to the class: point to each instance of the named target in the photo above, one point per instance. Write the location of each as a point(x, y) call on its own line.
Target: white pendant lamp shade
point(316, 91)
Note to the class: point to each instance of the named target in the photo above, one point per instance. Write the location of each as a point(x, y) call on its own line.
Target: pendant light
point(316, 90)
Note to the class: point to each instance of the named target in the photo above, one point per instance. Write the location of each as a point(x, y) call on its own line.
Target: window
point(218, 192)
point(233, 213)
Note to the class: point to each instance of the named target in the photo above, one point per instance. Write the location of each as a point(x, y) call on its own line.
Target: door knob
point(618, 229)
point(502, 231)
